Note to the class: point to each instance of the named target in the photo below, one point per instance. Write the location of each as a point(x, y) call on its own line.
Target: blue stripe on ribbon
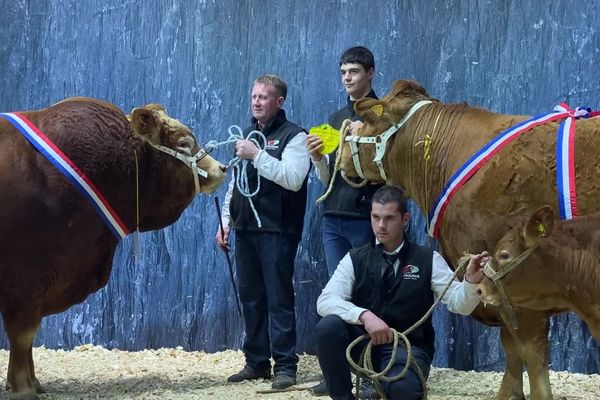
point(66, 172)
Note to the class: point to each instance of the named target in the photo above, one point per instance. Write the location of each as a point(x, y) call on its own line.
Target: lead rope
point(336, 165)
point(367, 368)
point(241, 173)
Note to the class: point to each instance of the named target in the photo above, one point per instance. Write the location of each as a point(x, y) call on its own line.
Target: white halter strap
point(380, 141)
point(190, 161)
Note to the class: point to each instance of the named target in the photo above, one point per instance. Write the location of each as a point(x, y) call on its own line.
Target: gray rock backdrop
point(198, 58)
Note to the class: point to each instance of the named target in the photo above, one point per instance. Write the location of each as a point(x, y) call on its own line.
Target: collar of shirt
point(377, 242)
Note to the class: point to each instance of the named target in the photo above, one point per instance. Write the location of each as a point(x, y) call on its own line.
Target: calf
point(563, 272)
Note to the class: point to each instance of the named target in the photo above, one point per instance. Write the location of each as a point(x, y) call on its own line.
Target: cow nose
point(479, 292)
point(223, 168)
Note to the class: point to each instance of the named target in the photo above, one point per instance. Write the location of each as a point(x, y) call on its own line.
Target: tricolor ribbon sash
point(565, 160)
point(63, 163)
point(565, 165)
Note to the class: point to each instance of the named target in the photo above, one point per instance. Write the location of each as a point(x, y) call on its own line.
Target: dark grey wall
point(198, 59)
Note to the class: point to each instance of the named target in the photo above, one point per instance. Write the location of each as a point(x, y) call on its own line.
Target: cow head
point(153, 125)
point(378, 116)
point(518, 283)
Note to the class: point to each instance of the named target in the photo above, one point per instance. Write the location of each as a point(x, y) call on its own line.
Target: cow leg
point(21, 331)
point(532, 339)
point(36, 382)
point(34, 379)
point(511, 387)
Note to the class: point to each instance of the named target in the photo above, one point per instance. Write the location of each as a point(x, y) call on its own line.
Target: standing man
point(390, 283)
point(346, 210)
point(346, 223)
point(265, 255)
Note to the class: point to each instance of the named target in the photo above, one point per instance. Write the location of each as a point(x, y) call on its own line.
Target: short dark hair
point(391, 194)
point(358, 55)
point(275, 81)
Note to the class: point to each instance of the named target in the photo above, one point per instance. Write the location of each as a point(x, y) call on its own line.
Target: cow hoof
point(512, 396)
point(38, 386)
point(23, 396)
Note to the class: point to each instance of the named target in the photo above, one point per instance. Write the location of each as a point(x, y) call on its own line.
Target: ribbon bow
point(579, 112)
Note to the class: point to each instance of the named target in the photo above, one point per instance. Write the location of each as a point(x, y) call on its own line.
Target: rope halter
point(380, 141)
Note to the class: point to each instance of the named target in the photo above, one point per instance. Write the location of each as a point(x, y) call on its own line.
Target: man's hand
point(379, 331)
point(314, 145)
point(354, 127)
point(474, 272)
point(246, 149)
point(222, 240)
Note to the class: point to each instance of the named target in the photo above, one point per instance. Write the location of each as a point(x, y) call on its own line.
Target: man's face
point(265, 103)
point(388, 224)
point(356, 80)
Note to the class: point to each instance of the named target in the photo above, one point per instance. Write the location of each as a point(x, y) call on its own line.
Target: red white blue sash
point(565, 164)
point(45, 146)
point(565, 160)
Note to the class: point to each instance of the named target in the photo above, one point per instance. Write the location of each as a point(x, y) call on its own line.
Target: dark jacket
point(410, 298)
point(345, 200)
point(280, 210)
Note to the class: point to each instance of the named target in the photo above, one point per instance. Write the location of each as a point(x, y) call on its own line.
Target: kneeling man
point(390, 283)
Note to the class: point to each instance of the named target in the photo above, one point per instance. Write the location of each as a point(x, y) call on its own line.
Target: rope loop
point(241, 165)
point(365, 368)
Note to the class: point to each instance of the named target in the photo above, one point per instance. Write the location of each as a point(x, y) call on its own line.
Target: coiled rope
point(366, 369)
point(241, 171)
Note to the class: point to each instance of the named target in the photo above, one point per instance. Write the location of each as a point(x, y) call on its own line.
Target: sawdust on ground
point(92, 372)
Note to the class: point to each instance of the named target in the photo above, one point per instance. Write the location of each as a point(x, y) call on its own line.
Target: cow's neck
point(459, 132)
point(579, 279)
point(424, 179)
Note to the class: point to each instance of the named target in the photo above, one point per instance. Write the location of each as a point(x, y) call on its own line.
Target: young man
point(346, 211)
point(265, 255)
point(389, 283)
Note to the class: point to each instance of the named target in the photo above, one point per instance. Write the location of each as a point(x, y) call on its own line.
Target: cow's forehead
point(172, 124)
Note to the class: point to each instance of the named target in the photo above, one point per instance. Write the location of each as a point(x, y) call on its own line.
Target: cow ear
point(539, 226)
point(145, 123)
point(370, 110)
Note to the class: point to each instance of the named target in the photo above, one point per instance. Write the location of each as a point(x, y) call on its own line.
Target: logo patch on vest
point(272, 144)
point(411, 272)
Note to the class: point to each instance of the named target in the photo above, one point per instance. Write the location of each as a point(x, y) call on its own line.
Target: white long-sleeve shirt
point(289, 172)
point(461, 297)
point(322, 169)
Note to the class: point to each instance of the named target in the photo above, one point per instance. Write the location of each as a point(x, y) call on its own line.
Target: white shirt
point(289, 172)
point(461, 297)
point(322, 169)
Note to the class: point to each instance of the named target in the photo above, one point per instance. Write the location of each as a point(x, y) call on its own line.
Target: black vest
point(280, 210)
point(344, 200)
point(411, 296)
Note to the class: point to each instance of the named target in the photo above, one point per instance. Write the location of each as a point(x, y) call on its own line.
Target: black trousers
point(333, 337)
point(265, 268)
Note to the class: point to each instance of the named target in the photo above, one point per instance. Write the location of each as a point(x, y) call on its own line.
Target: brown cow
point(56, 250)
point(520, 178)
point(562, 271)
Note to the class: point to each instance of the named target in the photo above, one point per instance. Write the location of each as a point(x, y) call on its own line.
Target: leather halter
point(380, 141)
point(190, 161)
point(496, 277)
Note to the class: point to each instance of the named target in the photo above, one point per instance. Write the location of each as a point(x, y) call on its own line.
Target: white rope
point(241, 172)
